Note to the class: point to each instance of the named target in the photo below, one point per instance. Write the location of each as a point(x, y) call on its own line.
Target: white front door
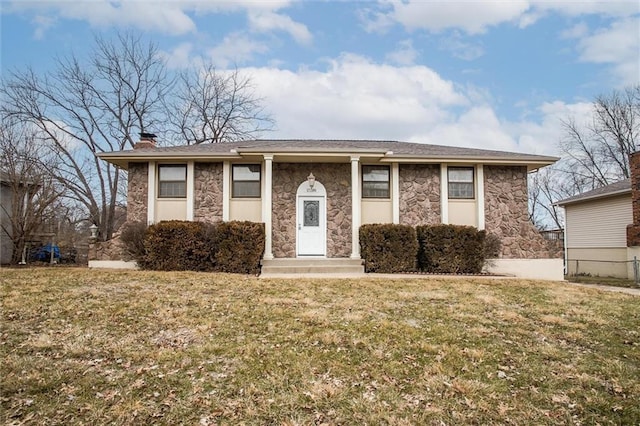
point(312, 226)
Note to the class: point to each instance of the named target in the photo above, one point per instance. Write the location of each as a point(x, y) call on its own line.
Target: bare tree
point(598, 154)
point(33, 194)
point(211, 106)
point(594, 154)
point(85, 108)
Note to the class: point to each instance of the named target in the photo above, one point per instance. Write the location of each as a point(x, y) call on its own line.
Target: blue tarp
point(44, 253)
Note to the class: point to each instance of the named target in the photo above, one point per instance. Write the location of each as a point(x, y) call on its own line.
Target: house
point(6, 208)
point(601, 236)
point(313, 195)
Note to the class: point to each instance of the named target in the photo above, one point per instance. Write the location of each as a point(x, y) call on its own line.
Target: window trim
point(472, 183)
point(233, 181)
point(160, 182)
point(363, 181)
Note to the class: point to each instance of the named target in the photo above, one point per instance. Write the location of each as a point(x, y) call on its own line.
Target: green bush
point(176, 245)
point(240, 246)
point(450, 249)
point(388, 248)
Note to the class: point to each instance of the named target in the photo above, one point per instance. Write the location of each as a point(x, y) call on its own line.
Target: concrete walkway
point(632, 291)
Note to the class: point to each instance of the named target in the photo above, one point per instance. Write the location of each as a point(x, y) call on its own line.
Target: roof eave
point(563, 203)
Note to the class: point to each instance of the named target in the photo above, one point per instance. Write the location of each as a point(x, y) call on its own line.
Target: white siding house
point(596, 231)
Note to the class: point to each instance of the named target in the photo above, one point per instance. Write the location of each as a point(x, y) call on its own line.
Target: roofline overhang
point(593, 197)
point(122, 159)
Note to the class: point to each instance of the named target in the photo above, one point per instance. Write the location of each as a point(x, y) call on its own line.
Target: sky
point(486, 74)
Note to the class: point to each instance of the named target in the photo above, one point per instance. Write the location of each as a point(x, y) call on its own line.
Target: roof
point(617, 188)
point(304, 149)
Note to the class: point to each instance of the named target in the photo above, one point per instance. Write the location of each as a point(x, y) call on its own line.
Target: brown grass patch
point(130, 347)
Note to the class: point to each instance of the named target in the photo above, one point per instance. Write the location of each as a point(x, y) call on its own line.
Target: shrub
point(179, 246)
point(492, 246)
point(450, 249)
point(388, 248)
point(239, 247)
point(132, 237)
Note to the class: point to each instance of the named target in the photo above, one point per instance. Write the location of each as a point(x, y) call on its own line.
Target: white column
point(444, 194)
point(395, 192)
point(480, 194)
point(355, 207)
point(226, 174)
point(190, 189)
point(151, 193)
point(267, 206)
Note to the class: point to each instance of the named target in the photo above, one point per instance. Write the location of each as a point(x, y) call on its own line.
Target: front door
point(312, 226)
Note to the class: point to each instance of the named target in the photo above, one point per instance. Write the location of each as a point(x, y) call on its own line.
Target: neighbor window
point(246, 181)
point(172, 181)
point(460, 182)
point(375, 182)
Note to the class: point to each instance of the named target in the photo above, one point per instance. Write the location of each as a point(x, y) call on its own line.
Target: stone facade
point(507, 214)
point(112, 249)
point(336, 179)
point(208, 192)
point(633, 229)
point(137, 192)
point(419, 194)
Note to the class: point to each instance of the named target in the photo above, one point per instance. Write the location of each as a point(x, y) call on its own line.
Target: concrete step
point(314, 266)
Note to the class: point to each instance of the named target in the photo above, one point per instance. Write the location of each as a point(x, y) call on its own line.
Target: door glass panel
point(311, 213)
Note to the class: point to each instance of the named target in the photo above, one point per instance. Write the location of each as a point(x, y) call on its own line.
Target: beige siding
point(246, 209)
point(376, 211)
point(463, 212)
point(599, 223)
point(171, 209)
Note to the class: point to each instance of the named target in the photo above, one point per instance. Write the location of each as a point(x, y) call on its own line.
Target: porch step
point(312, 266)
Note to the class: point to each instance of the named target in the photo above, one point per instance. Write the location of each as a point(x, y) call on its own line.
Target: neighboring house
point(313, 195)
point(596, 230)
point(6, 244)
point(602, 228)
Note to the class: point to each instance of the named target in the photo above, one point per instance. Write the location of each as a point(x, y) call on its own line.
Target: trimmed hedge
point(177, 245)
point(239, 247)
point(450, 249)
point(388, 248)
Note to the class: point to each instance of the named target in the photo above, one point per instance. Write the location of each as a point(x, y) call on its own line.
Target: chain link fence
point(624, 269)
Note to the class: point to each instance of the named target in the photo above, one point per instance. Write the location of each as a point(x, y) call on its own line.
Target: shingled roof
point(388, 149)
point(616, 188)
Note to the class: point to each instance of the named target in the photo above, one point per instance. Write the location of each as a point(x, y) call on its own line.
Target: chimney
point(147, 140)
point(633, 230)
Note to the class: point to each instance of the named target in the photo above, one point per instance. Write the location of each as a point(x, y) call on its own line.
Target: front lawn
point(96, 347)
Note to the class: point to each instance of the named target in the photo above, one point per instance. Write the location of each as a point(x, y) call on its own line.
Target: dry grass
point(98, 347)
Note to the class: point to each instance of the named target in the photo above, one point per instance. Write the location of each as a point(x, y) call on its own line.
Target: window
point(172, 181)
point(246, 181)
point(375, 182)
point(460, 182)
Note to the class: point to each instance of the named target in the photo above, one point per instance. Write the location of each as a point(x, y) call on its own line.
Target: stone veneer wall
point(336, 179)
point(507, 214)
point(208, 192)
point(419, 194)
point(137, 192)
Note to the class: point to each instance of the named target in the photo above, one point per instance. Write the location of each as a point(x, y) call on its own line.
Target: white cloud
point(618, 45)
point(404, 54)
point(356, 98)
point(476, 16)
point(169, 16)
point(235, 49)
point(179, 57)
point(360, 99)
point(265, 21)
point(579, 30)
point(461, 49)
point(473, 17)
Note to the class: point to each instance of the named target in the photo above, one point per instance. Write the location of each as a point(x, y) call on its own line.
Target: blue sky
point(495, 75)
